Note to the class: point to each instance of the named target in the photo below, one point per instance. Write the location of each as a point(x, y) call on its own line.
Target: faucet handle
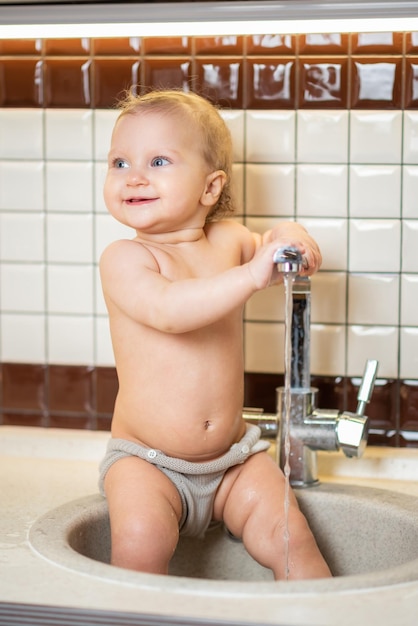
point(289, 260)
point(366, 386)
point(352, 431)
point(353, 428)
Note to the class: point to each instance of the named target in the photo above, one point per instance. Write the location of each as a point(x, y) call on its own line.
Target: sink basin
point(368, 536)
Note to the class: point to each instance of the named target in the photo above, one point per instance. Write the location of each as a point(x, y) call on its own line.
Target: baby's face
point(156, 173)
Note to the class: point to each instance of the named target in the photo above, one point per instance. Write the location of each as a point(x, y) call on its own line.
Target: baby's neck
point(173, 238)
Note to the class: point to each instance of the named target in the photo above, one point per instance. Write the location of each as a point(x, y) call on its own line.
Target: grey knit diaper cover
point(196, 483)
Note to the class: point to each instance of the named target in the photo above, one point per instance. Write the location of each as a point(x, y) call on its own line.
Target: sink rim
point(49, 539)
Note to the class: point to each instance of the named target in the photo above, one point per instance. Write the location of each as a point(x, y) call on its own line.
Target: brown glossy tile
point(70, 389)
point(68, 83)
point(24, 386)
point(327, 43)
point(167, 73)
point(66, 420)
point(16, 47)
point(126, 46)
point(377, 43)
point(323, 83)
point(376, 83)
point(224, 44)
point(167, 45)
point(67, 47)
point(220, 80)
point(411, 83)
point(21, 82)
point(332, 392)
point(270, 83)
point(260, 390)
point(24, 419)
point(270, 44)
point(106, 389)
point(409, 413)
point(104, 422)
point(411, 43)
point(112, 77)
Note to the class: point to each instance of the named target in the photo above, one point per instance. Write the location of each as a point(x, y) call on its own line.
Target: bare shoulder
point(232, 233)
point(123, 248)
point(228, 230)
point(125, 255)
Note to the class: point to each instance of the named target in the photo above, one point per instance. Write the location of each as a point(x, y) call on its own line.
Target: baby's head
point(211, 131)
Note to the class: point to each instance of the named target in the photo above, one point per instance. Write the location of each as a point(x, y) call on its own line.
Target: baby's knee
point(144, 543)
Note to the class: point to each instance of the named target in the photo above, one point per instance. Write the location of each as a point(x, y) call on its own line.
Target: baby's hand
point(292, 234)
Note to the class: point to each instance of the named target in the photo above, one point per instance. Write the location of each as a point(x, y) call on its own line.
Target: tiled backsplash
point(325, 131)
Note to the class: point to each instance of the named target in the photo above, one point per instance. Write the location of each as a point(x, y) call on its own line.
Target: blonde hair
point(215, 137)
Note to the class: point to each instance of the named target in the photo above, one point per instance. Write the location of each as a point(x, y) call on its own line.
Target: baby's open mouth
point(139, 200)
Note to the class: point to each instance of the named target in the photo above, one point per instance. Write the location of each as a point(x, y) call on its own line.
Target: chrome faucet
point(310, 429)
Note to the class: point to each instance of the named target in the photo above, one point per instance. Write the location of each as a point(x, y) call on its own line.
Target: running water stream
point(288, 284)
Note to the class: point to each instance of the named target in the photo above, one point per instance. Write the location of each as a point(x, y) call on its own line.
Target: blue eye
point(159, 161)
point(119, 163)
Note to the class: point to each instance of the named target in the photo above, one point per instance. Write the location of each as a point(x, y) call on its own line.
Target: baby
point(180, 455)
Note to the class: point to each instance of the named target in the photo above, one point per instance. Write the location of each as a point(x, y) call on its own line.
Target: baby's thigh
point(255, 487)
point(136, 489)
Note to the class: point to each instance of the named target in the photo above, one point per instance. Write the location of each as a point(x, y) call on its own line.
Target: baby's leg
point(144, 509)
point(250, 500)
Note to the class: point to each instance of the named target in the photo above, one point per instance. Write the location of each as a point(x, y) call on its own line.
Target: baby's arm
point(132, 283)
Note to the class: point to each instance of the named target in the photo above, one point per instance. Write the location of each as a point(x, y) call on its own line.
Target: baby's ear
point(214, 184)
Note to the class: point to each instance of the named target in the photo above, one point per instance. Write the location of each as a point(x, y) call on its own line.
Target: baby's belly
point(183, 436)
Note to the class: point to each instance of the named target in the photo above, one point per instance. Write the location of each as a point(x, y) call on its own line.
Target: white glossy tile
point(69, 186)
point(264, 347)
point(321, 191)
point(99, 302)
point(26, 177)
point(237, 188)
point(267, 305)
point(409, 353)
point(22, 338)
point(70, 238)
point(373, 299)
point(373, 342)
point(328, 297)
point(375, 136)
point(322, 136)
point(106, 230)
point(103, 121)
point(270, 189)
point(327, 350)
point(22, 236)
point(374, 245)
point(235, 122)
point(104, 351)
point(270, 136)
point(100, 171)
point(69, 134)
point(409, 300)
point(21, 133)
point(331, 236)
point(22, 287)
point(410, 191)
point(410, 137)
point(70, 340)
point(70, 289)
point(375, 191)
point(409, 246)
point(262, 224)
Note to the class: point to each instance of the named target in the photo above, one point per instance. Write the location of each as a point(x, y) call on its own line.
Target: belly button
point(207, 424)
